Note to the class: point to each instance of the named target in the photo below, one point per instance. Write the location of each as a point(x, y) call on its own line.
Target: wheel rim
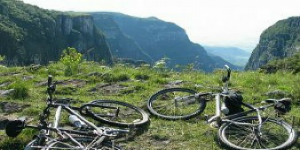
point(85, 141)
point(118, 113)
point(175, 103)
point(273, 135)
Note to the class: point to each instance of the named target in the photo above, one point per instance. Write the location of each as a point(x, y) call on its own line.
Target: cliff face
point(29, 34)
point(121, 45)
point(156, 39)
point(278, 41)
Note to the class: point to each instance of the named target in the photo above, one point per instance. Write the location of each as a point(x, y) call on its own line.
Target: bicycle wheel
point(176, 103)
point(84, 141)
point(274, 135)
point(115, 113)
point(32, 145)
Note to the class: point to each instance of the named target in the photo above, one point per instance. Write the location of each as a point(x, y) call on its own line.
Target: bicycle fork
point(217, 116)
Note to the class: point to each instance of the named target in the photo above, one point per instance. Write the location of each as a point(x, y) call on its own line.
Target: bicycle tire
point(171, 111)
point(30, 145)
point(127, 115)
point(228, 131)
point(57, 144)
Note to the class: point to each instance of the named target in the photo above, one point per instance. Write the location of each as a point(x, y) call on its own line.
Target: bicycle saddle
point(281, 106)
point(14, 128)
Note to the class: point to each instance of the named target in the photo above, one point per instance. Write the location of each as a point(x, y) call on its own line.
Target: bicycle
point(85, 135)
point(236, 129)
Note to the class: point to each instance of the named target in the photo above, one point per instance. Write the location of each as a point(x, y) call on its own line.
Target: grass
point(140, 84)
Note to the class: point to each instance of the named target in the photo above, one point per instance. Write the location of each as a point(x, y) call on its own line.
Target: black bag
point(234, 103)
point(282, 107)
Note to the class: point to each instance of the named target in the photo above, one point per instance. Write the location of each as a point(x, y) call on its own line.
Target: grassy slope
point(192, 134)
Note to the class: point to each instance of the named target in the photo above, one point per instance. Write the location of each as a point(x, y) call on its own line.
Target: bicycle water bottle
point(76, 121)
point(224, 109)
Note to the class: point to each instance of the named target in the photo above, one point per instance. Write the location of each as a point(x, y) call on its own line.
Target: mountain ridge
point(233, 55)
point(29, 34)
point(161, 39)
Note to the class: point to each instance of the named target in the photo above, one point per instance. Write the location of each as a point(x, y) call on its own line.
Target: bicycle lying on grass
point(85, 135)
point(236, 129)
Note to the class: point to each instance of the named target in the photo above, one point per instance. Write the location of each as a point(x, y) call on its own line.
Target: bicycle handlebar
point(50, 80)
point(51, 87)
point(226, 78)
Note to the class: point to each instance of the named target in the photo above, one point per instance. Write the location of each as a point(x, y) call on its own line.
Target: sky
point(229, 23)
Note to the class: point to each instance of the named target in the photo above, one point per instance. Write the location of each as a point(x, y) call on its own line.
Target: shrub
point(71, 59)
point(141, 76)
point(288, 64)
point(21, 89)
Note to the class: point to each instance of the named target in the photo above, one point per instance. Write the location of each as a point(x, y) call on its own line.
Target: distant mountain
point(151, 39)
point(233, 55)
point(29, 34)
point(279, 41)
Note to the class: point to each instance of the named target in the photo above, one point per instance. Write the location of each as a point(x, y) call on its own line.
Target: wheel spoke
point(273, 133)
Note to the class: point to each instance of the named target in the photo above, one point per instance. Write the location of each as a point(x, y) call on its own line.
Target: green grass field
point(135, 86)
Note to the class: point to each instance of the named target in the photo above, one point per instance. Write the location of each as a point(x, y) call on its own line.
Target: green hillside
point(30, 35)
point(279, 41)
point(135, 86)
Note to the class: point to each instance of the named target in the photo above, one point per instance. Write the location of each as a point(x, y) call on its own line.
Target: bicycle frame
point(98, 134)
point(219, 99)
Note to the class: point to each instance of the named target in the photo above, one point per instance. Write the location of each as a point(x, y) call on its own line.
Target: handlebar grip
point(50, 79)
point(228, 71)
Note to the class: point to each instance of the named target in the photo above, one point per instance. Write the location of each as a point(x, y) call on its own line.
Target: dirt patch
point(107, 88)
point(10, 74)
point(11, 107)
point(73, 82)
point(175, 83)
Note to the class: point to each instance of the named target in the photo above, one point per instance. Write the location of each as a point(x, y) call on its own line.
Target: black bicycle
point(85, 135)
point(237, 130)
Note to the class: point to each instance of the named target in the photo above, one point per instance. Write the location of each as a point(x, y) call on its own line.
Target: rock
point(11, 107)
point(4, 84)
point(97, 74)
point(74, 82)
point(199, 86)
point(43, 83)
point(33, 68)
point(174, 83)
point(4, 93)
point(10, 74)
point(107, 88)
point(277, 94)
point(26, 78)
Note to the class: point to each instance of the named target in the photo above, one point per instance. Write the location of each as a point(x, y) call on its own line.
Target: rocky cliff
point(121, 45)
point(279, 41)
point(29, 34)
point(154, 39)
